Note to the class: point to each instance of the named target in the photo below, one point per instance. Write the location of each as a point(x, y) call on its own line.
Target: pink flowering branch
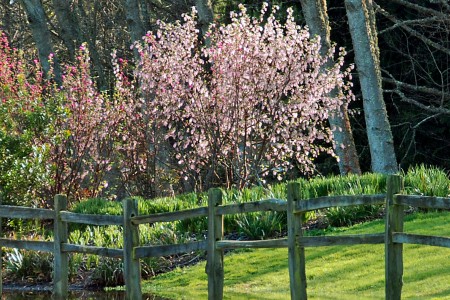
point(251, 104)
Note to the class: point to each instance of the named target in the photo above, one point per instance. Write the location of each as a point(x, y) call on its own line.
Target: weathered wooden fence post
point(214, 265)
point(393, 251)
point(297, 272)
point(131, 265)
point(60, 260)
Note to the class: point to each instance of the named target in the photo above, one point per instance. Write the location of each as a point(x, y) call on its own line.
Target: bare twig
point(415, 88)
point(425, 10)
point(412, 31)
point(410, 22)
point(431, 109)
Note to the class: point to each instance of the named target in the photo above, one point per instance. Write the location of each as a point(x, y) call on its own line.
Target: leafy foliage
point(53, 139)
point(22, 264)
point(427, 181)
point(257, 226)
point(253, 102)
point(23, 119)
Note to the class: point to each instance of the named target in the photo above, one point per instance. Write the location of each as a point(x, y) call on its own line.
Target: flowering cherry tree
point(254, 102)
point(82, 142)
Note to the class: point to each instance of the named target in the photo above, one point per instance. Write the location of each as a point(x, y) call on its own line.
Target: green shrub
point(76, 264)
point(108, 272)
point(195, 225)
point(347, 216)
point(427, 181)
point(260, 226)
point(24, 264)
point(162, 234)
point(317, 187)
point(98, 206)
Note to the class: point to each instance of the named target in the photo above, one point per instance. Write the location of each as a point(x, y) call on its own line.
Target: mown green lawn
point(338, 272)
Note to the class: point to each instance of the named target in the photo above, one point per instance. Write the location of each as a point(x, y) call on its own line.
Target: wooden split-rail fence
point(393, 237)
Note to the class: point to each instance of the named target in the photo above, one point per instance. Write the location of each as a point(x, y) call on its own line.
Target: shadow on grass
point(73, 295)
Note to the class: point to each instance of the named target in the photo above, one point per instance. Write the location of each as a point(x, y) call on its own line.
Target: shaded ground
point(43, 292)
point(84, 295)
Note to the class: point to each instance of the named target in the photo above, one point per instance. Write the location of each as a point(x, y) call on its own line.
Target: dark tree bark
point(315, 13)
point(365, 44)
point(205, 14)
point(69, 28)
point(88, 34)
point(134, 22)
point(5, 10)
point(41, 35)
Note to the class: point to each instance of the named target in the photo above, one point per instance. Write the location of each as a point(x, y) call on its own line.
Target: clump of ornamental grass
point(427, 181)
point(261, 226)
point(31, 266)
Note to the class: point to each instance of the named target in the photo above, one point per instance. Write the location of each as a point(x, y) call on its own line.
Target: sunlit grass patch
point(338, 272)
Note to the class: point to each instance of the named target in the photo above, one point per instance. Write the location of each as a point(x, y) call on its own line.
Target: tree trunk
point(7, 19)
point(205, 14)
point(315, 13)
point(134, 22)
point(89, 35)
point(41, 35)
point(69, 28)
point(361, 21)
point(145, 15)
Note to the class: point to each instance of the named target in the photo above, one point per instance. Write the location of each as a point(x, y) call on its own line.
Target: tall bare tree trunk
point(7, 16)
point(69, 28)
point(205, 14)
point(315, 13)
point(41, 35)
point(145, 15)
point(88, 34)
point(134, 22)
point(361, 21)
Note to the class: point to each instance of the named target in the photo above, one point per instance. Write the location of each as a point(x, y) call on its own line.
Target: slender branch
point(410, 22)
point(426, 119)
point(415, 88)
point(432, 109)
point(413, 133)
point(412, 31)
point(445, 4)
point(424, 10)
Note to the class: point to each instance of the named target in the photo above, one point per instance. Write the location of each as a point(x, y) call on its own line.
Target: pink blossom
point(262, 105)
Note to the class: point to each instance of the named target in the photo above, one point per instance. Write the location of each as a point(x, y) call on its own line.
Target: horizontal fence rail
point(27, 245)
point(19, 212)
point(165, 250)
point(90, 219)
point(102, 251)
point(215, 244)
point(334, 201)
point(249, 207)
point(407, 238)
point(276, 243)
point(423, 201)
point(359, 239)
point(170, 216)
